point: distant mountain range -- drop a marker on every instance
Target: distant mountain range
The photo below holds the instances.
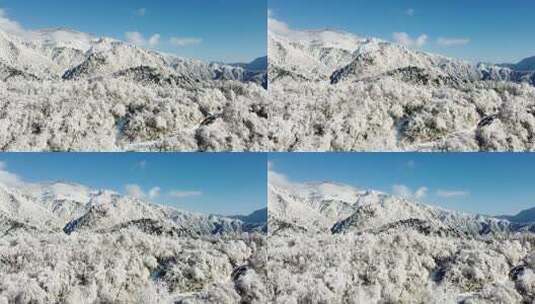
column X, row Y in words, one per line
column 525, row 65
column 341, row 56
column 72, row 208
column 523, row 217
column 521, row 72
column 67, row 54
column 256, row 70
column 335, row 208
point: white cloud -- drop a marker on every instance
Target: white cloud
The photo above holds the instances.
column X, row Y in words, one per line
column 185, row 41
column 142, row 164
column 420, row 193
column 141, row 12
column 277, row 27
column 7, row 178
column 444, row 41
column 10, row 26
column 134, row 190
column 154, row 192
column 410, row 12
column 406, row 192
column 154, row 40
column 276, row 178
column 138, row 39
column 182, row 194
column 135, row 38
column 452, row 193
column 405, row 39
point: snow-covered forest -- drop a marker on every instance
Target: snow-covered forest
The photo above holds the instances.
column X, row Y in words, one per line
column 332, row 243
column 336, row 91
column 62, row 90
column 66, row 243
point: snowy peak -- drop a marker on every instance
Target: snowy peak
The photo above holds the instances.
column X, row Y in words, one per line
column 307, row 58
column 77, row 208
column 324, row 38
column 63, row 38
column 315, row 206
column 21, row 207
column 301, row 207
column 106, row 58
column 17, row 54
column 338, row 57
column 378, row 58
column 108, row 209
column 70, row 55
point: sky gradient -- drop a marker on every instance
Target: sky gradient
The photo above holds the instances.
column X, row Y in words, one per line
column 483, row 183
column 214, row 183
column 477, row 30
column 211, row 30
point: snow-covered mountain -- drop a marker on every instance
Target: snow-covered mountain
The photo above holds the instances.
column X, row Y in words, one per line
column 523, row 217
column 339, row 91
column 66, row 90
column 341, row 208
column 67, row 54
column 524, row 65
column 256, row 220
column 105, row 247
column 340, row 56
column 71, row 207
column 332, row 243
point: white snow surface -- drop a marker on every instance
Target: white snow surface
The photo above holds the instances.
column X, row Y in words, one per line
column 378, row 248
column 66, row 243
column 340, row 92
column 70, row 91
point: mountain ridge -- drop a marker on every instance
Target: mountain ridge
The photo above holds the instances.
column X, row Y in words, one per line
column 363, row 210
column 72, row 208
column 376, row 95
column 56, row 52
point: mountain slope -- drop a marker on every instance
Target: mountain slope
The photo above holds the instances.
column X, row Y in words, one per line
column 346, row 93
column 391, row 249
column 124, row 250
column 523, row 217
column 105, row 247
column 53, row 53
column 336, row 208
column 70, row 91
column 73, row 207
column 524, row 65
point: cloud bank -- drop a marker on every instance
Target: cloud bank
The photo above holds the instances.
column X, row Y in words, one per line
column 406, row 40
column 444, row 41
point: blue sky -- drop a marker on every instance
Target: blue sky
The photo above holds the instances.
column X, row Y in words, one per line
column 215, row 183
column 476, row 30
column 214, row 30
column 483, row 183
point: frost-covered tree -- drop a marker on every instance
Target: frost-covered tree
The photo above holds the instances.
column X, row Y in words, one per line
column 331, row 243
column 66, row 243
column 68, row 91
column 334, row 91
